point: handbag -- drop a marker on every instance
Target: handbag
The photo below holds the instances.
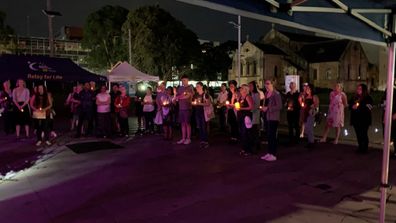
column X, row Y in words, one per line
column 209, row 111
column 158, row 118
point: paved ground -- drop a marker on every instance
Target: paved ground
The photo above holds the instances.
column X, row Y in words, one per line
column 151, row 180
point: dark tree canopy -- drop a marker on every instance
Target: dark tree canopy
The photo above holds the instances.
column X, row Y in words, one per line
column 5, row 30
column 159, row 41
column 103, row 35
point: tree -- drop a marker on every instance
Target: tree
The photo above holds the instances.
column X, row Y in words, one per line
column 159, row 41
column 215, row 61
column 103, row 35
column 5, row 32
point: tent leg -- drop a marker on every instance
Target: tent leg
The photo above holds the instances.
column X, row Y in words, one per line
column 387, row 132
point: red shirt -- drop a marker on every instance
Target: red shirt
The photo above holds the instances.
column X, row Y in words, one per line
column 124, row 101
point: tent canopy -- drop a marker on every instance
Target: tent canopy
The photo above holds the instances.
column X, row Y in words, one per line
column 124, row 72
column 363, row 20
column 43, row 68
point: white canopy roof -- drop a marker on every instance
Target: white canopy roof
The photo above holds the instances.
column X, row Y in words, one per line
column 123, row 71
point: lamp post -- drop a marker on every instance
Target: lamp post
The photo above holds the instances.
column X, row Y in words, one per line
column 50, row 14
column 238, row 26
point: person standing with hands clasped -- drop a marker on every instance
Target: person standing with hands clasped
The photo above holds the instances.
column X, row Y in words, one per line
column 184, row 95
column 272, row 110
column 200, row 99
column 121, row 104
column 41, row 105
column 361, row 106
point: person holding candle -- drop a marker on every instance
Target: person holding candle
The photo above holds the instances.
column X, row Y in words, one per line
column 361, row 106
column 149, row 110
column 233, row 96
column 221, row 106
column 21, row 97
column 103, row 100
column 302, row 105
column 310, row 109
column 272, row 110
column 167, row 100
column 255, row 115
column 7, row 108
column 122, row 103
column 293, row 113
column 200, row 100
column 41, row 105
column 87, row 101
column 244, row 106
column 335, row 115
column 183, row 96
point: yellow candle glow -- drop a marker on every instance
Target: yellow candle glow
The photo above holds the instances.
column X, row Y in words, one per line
column 357, row 104
column 21, row 109
column 227, row 103
column 302, row 104
column 237, row 105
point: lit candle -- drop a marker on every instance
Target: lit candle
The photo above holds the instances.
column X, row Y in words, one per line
column 21, row 109
column 237, row 105
column 302, row 104
column 227, row 102
column 5, row 98
column 92, row 88
column 261, row 107
column 194, row 102
column 357, row 104
column 185, row 93
column 40, row 109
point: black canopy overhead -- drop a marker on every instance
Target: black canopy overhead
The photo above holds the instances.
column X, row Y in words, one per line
column 42, row 68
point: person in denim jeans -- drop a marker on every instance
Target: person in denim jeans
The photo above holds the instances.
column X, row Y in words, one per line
column 311, row 105
column 199, row 101
column 272, row 108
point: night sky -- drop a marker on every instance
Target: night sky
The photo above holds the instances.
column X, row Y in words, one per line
column 207, row 24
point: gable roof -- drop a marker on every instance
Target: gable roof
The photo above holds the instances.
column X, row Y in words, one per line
column 269, row 49
column 328, row 51
column 305, row 38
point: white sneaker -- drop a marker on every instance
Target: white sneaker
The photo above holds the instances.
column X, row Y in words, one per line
column 271, row 158
column 38, row 143
column 187, row 141
column 181, row 141
column 265, row 156
column 48, row 143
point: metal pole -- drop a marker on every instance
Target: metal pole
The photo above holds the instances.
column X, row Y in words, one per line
column 239, row 49
column 50, row 30
column 130, row 45
column 388, row 122
column 387, row 133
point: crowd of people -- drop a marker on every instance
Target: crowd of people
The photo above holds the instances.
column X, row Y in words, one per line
column 245, row 112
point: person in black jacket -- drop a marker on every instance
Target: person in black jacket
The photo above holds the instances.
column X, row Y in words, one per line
column 360, row 106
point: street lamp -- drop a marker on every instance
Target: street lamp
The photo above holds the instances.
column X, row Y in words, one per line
column 50, row 14
column 238, row 26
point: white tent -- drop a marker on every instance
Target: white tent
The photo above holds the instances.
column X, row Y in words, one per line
column 124, row 72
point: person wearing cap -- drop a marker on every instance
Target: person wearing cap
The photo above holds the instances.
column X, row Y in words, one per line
column 272, row 110
column 244, row 107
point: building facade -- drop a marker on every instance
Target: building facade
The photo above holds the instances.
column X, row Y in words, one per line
column 260, row 62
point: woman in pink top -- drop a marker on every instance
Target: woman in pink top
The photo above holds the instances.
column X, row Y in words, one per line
column 21, row 98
